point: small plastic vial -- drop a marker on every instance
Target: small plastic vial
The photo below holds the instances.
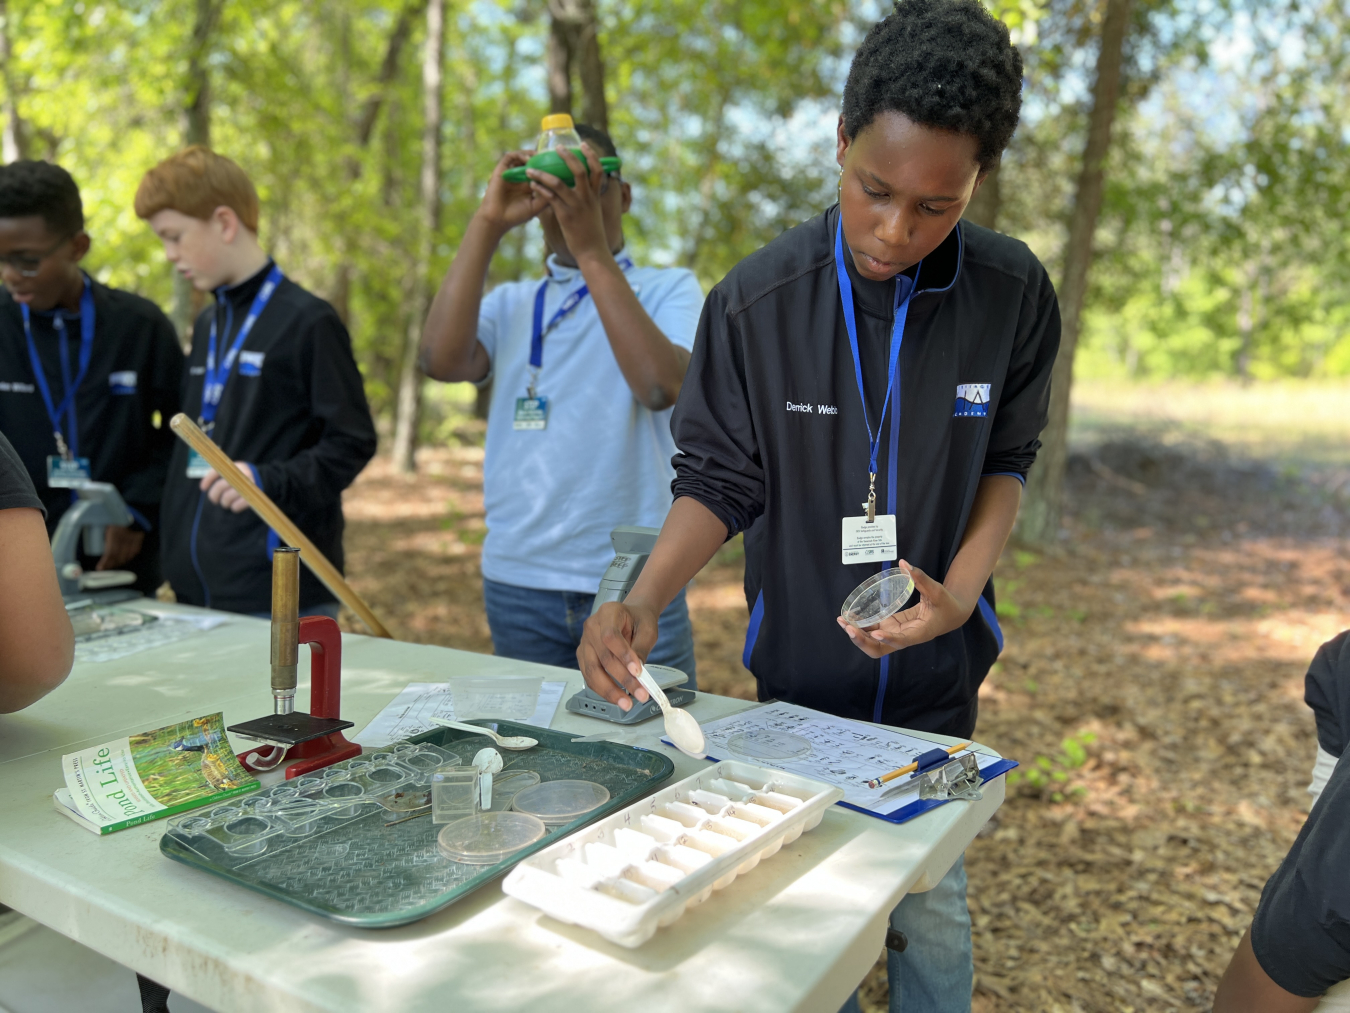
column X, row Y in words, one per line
column 557, row 131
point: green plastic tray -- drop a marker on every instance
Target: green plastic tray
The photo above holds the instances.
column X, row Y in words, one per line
column 551, row 162
column 363, row 873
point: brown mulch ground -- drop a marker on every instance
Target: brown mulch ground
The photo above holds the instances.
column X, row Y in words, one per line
column 1151, row 684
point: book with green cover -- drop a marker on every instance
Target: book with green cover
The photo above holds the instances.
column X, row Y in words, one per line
column 150, row 775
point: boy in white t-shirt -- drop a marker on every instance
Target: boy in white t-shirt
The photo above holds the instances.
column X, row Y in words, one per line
column 585, row 365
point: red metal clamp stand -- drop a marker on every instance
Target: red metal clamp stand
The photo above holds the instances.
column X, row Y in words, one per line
column 325, row 688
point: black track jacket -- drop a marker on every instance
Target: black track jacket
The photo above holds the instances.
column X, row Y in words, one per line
column 294, row 407
column 771, row 342
column 135, row 370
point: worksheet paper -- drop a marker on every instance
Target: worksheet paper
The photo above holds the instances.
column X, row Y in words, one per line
column 844, row 753
column 412, row 710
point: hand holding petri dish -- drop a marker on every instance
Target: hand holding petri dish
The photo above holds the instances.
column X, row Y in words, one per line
column 878, row 597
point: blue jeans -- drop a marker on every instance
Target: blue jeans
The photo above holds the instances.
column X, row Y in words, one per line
column 545, row 627
column 936, row 972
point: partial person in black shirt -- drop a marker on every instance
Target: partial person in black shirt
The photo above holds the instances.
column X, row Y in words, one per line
column 60, row 329
column 272, row 380
column 1296, row 955
column 37, row 644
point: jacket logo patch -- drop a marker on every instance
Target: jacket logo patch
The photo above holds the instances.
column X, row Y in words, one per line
column 196, row 371
column 250, row 363
column 16, row 387
column 972, row 400
column 812, row 409
column 122, row 382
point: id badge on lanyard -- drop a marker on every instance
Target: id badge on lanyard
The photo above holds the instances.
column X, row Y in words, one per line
column 217, row 373
column 532, row 409
column 65, row 469
column 871, row 537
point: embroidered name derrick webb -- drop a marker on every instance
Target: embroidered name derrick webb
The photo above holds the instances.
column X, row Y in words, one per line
column 813, row 409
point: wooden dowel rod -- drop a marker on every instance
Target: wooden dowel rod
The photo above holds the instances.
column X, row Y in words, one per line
column 189, row 432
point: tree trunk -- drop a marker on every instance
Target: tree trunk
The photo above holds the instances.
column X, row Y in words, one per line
column 410, row 377
column 984, row 206
column 14, row 143
column 187, row 301
column 1044, row 500
column 365, row 128
column 574, row 43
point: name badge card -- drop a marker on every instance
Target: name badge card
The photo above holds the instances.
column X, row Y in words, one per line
column 66, row 473
column 870, row 543
column 196, row 466
column 531, row 413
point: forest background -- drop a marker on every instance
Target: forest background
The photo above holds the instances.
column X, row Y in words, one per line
column 1213, row 234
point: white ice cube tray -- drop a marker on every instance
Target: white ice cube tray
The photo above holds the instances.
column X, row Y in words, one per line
column 638, row 869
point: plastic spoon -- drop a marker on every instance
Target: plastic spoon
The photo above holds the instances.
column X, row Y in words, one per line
column 488, row 761
column 681, row 726
column 513, row 742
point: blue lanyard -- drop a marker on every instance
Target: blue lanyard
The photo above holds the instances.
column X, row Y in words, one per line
column 904, row 292
column 218, row 374
column 537, row 333
column 68, row 447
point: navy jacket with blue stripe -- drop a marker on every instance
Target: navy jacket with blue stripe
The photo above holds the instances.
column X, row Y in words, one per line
column 772, row 440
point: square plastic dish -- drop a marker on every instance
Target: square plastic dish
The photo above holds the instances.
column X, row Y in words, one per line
column 327, row 844
column 640, row 868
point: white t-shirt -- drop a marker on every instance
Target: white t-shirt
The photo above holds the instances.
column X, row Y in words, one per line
column 552, row 496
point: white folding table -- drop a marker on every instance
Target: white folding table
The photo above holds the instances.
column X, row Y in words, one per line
column 797, row 933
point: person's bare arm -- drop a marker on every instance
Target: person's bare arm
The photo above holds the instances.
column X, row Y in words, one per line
column 946, row 607
column 1246, row 988
column 450, row 350
column 618, row 638
column 37, row 644
column 652, row 364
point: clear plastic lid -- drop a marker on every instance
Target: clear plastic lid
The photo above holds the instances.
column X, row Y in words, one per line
column 488, row 838
column 766, row 744
column 558, row 802
column 506, row 784
column 880, row 595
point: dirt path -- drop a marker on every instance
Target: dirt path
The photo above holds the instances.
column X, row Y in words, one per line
column 1151, row 687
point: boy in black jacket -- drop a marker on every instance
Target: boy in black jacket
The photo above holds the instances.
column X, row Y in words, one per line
column 61, row 331
column 868, row 390
column 271, row 379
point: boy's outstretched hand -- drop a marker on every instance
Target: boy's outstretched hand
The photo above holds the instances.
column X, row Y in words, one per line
column 506, row 205
column 938, row 612
column 614, row 643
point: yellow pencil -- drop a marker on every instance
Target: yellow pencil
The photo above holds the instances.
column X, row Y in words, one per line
column 909, row 768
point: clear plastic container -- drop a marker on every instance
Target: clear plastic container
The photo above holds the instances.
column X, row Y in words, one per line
column 502, row 696
column 878, row 597
column 766, row 744
column 557, row 131
column 488, row 838
column 454, row 793
column 560, row 802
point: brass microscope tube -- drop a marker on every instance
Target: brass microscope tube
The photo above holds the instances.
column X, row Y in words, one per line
column 285, row 627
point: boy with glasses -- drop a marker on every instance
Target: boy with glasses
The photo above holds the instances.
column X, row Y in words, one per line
column 89, row 375
column 585, row 366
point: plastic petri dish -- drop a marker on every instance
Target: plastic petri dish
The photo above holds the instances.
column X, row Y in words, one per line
column 507, row 784
column 488, row 838
column 559, row 802
column 766, row 744
column 880, row 595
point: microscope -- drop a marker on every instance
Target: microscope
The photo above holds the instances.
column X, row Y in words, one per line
column 97, row 505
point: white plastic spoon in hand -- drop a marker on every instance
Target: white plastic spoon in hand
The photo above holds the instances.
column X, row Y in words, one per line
column 681, row 726
column 514, row 742
column 488, row 761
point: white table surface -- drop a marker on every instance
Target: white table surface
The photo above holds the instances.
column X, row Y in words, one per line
column 797, row 933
